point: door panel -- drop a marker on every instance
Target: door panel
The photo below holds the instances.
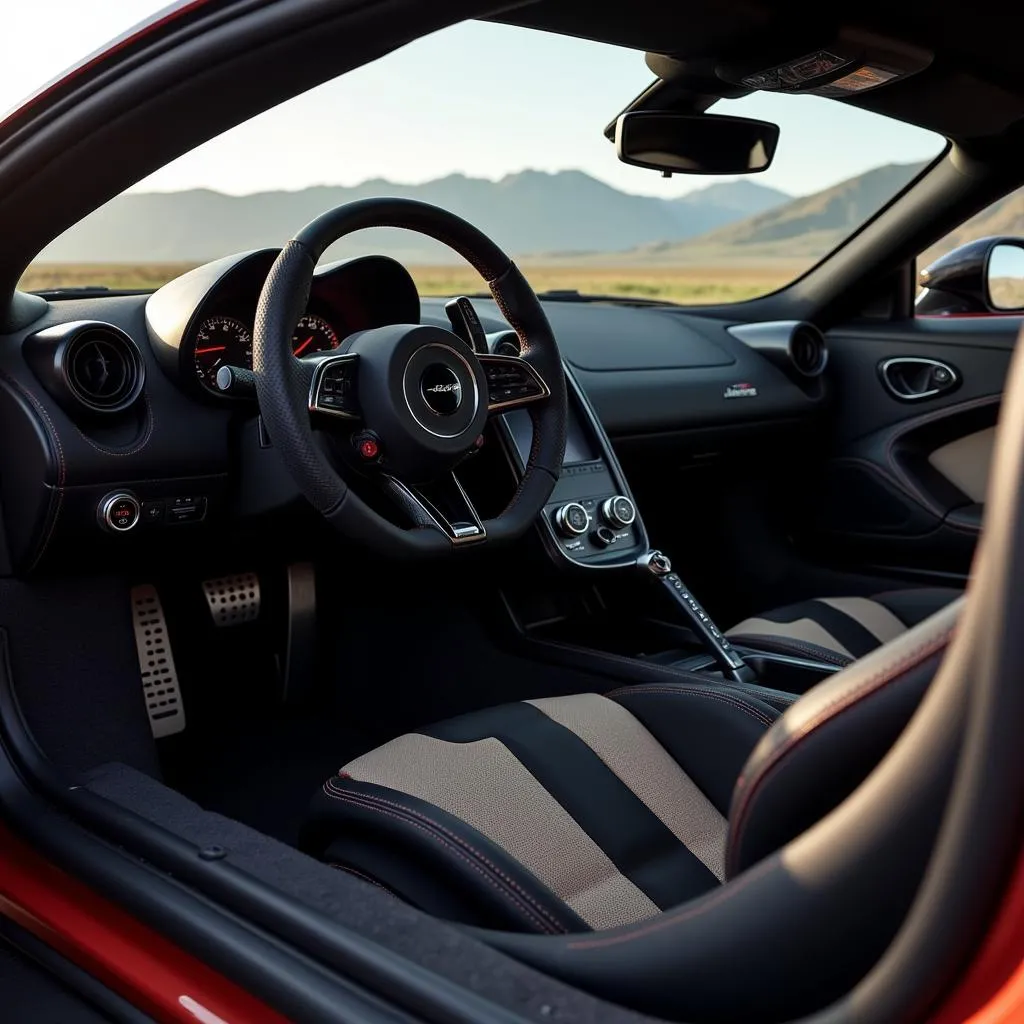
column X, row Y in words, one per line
column 903, row 483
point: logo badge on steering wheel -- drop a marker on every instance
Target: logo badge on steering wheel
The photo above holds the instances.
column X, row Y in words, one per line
column 441, row 389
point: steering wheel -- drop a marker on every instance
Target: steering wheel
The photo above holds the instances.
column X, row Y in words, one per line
column 419, row 396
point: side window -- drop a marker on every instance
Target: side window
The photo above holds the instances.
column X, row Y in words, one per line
column 978, row 268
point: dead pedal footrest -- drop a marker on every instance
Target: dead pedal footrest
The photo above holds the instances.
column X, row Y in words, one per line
column 156, row 663
column 233, row 600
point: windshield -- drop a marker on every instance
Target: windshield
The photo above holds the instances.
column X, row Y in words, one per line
column 528, row 163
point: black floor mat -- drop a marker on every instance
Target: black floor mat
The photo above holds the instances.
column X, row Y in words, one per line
column 263, row 770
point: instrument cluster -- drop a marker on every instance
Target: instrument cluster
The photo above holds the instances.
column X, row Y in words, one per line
column 203, row 321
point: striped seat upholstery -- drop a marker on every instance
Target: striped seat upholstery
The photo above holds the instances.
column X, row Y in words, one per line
column 615, row 805
column 594, row 812
column 841, row 629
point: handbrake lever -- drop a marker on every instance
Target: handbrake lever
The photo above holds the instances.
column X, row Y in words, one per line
column 657, row 567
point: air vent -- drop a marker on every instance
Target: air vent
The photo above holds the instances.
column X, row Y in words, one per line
column 103, row 368
column 88, row 367
column 795, row 346
column 807, row 350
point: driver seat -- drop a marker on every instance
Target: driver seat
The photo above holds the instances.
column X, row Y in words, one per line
column 571, row 814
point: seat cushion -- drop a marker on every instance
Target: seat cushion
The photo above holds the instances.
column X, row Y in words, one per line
column 553, row 815
column 841, row 629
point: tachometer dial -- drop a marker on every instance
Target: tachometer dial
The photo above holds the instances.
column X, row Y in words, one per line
column 221, row 341
column 313, row 334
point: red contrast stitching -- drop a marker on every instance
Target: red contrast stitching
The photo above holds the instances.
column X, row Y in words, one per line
column 546, row 920
column 671, row 918
column 775, row 760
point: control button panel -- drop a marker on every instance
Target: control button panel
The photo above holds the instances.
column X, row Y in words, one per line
column 119, row 512
column 572, row 520
column 584, row 533
column 510, row 382
column 189, row 508
column 618, row 511
column 334, row 388
column 122, row 511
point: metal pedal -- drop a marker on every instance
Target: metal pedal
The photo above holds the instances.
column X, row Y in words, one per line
column 233, row 600
column 156, row 663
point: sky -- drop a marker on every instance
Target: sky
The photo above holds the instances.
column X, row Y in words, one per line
column 427, row 110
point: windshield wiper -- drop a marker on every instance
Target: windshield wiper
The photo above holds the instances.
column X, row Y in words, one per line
column 86, row 290
column 573, row 295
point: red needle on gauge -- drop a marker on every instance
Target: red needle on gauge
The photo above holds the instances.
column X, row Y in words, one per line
column 212, row 348
column 302, row 348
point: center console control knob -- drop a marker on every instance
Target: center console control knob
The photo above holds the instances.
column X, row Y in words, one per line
column 572, row 520
column 119, row 512
column 618, row 512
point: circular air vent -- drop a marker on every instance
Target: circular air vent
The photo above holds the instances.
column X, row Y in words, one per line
column 103, row 369
column 807, row 350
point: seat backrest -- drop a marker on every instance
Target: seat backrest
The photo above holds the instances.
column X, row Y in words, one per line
column 830, row 740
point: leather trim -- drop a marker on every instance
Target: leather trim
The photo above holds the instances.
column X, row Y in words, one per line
column 460, row 846
column 967, row 461
column 485, row 784
column 787, row 645
column 825, row 702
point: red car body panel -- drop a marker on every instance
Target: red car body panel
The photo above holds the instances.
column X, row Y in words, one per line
column 131, row 959
column 992, row 990
column 115, row 47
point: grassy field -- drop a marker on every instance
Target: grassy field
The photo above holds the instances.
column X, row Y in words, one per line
column 683, row 285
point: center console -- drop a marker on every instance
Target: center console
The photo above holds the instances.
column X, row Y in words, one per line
column 641, row 621
column 591, row 519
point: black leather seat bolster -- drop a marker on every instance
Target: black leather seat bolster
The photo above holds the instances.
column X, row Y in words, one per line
column 835, row 737
column 710, row 729
column 915, row 604
column 430, row 859
column 790, row 647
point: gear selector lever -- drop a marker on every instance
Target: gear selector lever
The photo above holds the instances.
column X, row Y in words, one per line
column 657, row 566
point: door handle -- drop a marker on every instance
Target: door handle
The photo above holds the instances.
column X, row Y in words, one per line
column 911, row 378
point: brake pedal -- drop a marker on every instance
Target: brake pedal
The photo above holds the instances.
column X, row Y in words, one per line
column 233, row 600
column 156, row 663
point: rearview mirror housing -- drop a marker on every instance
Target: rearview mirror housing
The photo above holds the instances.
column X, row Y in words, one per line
column 676, row 143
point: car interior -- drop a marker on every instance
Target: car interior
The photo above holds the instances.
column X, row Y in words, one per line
column 599, row 660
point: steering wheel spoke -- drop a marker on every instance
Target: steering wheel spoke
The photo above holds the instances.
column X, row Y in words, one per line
column 441, row 505
column 332, row 386
column 512, row 382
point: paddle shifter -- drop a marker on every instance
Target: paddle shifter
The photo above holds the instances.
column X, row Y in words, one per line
column 657, row 566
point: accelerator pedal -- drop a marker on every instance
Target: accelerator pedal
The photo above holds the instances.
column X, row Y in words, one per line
column 156, row 663
column 233, row 600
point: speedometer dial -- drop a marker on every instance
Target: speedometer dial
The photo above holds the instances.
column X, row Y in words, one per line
column 221, row 341
column 313, row 334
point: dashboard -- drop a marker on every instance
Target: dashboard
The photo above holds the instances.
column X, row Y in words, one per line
column 112, row 395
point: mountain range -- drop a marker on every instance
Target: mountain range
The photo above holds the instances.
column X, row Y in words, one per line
column 530, row 212
column 565, row 217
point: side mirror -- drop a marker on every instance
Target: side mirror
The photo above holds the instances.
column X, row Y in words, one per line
column 985, row 275
column 1004, row 277
column 695, row 143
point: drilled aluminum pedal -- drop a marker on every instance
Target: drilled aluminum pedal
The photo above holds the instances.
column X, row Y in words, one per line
column 156, row 663
column 233, row 600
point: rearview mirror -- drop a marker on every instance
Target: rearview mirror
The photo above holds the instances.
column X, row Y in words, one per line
column 695, row 143
column 1004, row 277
